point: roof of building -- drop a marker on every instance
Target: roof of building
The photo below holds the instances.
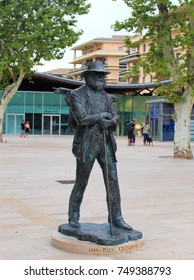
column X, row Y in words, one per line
column 114, row 38
column 46, row 82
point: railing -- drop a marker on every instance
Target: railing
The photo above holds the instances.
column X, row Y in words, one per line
column 126, row 58
column 123, row 73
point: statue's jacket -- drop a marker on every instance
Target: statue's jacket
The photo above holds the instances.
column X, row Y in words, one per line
column 86, row 119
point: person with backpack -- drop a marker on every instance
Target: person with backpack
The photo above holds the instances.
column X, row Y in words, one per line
column 130, row 126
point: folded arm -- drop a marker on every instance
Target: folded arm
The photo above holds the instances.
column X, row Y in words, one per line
column 105, row 119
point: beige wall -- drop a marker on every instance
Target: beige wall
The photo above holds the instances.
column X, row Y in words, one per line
column 107, row 51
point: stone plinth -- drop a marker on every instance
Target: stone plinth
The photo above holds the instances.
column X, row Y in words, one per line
column 96, row 239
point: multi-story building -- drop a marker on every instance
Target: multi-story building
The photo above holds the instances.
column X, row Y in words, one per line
column 107, row 50
column 130, row 60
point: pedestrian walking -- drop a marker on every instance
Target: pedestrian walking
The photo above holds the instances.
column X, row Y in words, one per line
column 27, row 128
column 22, row 129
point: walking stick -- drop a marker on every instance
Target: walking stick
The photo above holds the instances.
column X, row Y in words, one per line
column 107, row 181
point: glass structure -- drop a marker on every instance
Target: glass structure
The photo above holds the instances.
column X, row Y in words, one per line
column 160, row 115
column 129, row 107
column 46, row 112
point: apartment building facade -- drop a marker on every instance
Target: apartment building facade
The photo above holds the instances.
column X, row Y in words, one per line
column 133, row 54
column 107, row 50
column 130, row 60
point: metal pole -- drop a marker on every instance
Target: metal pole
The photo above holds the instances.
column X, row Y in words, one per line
column 107, row 181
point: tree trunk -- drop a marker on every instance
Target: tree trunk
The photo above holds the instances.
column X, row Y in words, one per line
column 182, row 148
column 2, row 110
column 8, row 93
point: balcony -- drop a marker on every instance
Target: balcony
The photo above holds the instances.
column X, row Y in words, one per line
column 130, row 57
column 123, row 73
column 95, row 54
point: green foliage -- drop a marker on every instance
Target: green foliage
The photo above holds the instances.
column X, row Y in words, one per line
column 32, row 30
column 158, row 20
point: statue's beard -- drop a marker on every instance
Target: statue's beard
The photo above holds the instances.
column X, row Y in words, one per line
column 100, row 85
column 96, row 84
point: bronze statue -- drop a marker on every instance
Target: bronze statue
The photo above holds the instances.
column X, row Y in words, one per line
column 92, row 110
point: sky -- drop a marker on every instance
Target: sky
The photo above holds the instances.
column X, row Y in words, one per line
column 97, row 23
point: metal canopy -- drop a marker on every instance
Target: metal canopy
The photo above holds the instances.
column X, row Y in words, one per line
column 46, row 82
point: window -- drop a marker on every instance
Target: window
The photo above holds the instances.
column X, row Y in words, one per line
column 120, row 49
column 122, row 65
column 38, row 103
column 133, row 49
column 29, row 102
column 51, row 103
column 144, row 48
column 168, row 108
column 37, row 123
column 16, row 104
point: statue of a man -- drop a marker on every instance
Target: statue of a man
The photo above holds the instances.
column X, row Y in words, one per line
column 93, row 111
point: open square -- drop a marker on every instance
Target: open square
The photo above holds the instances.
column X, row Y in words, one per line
column 157, row 196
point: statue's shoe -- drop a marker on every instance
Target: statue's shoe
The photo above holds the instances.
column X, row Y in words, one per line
column 122, row 224
column 74, row 224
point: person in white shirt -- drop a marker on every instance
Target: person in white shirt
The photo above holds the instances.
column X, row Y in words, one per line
column 145, row 131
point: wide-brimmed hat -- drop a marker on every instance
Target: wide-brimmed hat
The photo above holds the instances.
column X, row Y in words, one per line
column 95, row 66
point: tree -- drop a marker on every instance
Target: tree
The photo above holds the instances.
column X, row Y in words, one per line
column 169, row 27
column 32, row 31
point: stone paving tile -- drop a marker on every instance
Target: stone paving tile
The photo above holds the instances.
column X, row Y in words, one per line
column 157, row 198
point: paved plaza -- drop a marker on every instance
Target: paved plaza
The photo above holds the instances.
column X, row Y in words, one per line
column 37, row 176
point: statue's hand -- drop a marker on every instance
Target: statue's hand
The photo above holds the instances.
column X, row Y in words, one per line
column 104, row 123
column 105, row 115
